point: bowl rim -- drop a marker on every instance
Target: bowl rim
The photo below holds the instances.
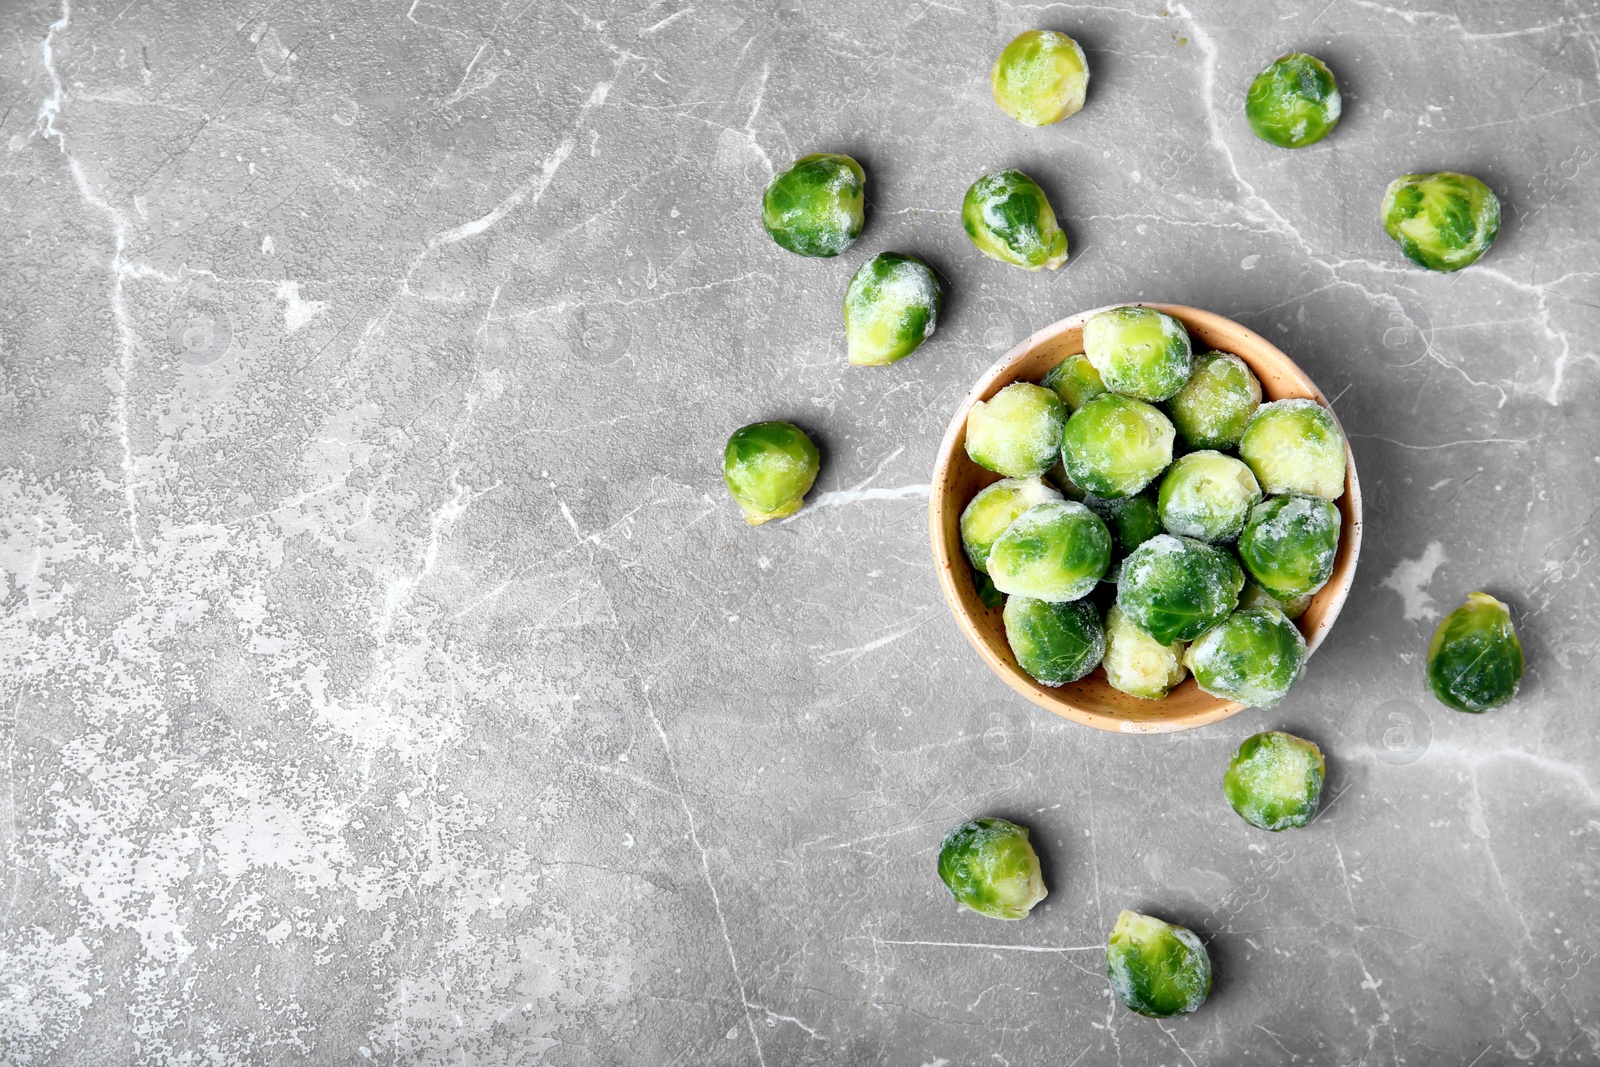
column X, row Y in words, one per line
column 953, row 567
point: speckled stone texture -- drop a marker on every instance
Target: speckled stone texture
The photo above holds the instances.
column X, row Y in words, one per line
column 389, row 678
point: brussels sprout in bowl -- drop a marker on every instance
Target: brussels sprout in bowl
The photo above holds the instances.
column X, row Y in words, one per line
column 957, row 479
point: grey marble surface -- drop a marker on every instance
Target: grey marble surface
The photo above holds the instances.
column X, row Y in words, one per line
column 388, row 677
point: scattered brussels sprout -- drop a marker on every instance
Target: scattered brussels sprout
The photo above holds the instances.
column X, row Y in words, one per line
column 1442, row 221
column 1157, row 969
column 1475, row 659
column 818, row 206
column 1138, row 664
column 989, row 866
column 1207, row 495
column 1115, row 445
column 1175, row 589
column 1138, row 351
column 1054, row 551
column 1274, row 781
column 1211, row 409
column 1075, row 381
column 1294, row 102
column 996, row 507
column 1040, row 78
column 1289, row 544
column 769, row 468
column 1010, row 219
column 1254, row 656
column 1295, row 446
column 1054, row 643
column 890, row 308
column 1017, row 432
column 1254, row 596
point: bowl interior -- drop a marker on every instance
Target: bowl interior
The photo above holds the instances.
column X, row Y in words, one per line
column 956, row 479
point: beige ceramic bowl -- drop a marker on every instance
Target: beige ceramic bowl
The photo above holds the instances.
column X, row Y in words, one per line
column 956, row 478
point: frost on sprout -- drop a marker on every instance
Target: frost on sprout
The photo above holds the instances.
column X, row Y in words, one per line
column 1274, row 780
column 1156, row 968
column 1475, row 659
column 1017, row 432
column 890, row 308
column 1207, row 495
column 1054, row 643
column 1009, row 218
column 1139, row 352
column 1055, row 551
column 1114, row 445
column 1289, row 545
column 818, row 206
column 1138, row 664
column 1040, row 78
column 1175, row 589
column 994, row 508
column 1255, row 656
column 1212, row 408
column 1295, row 446
column 989, row 866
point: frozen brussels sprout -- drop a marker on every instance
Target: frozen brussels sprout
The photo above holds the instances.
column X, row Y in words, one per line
column 1137, row 663
column 1017, row 432
column 1040, row 78
column 1294, row 102
column 1442, row 221
column 1157, row 969
column 1010, row 219
column 1075, row 381
column 769, row 468
column 989, row 866
column 1054, row 643
column 994, row 508
column 1274, row 781
column 1177, row 588
column 1115, row 445
column 1254, row 596
column 1134, row 520
column 1475, row 659
column 1253, row 656
column 1294, row 446
column 1289, row 544
column 988, row 595
column 1211, row 409
column 1207, row 495
column 890, row 307
column 1054, row 551
column 1139, row 352
column 818, row 206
